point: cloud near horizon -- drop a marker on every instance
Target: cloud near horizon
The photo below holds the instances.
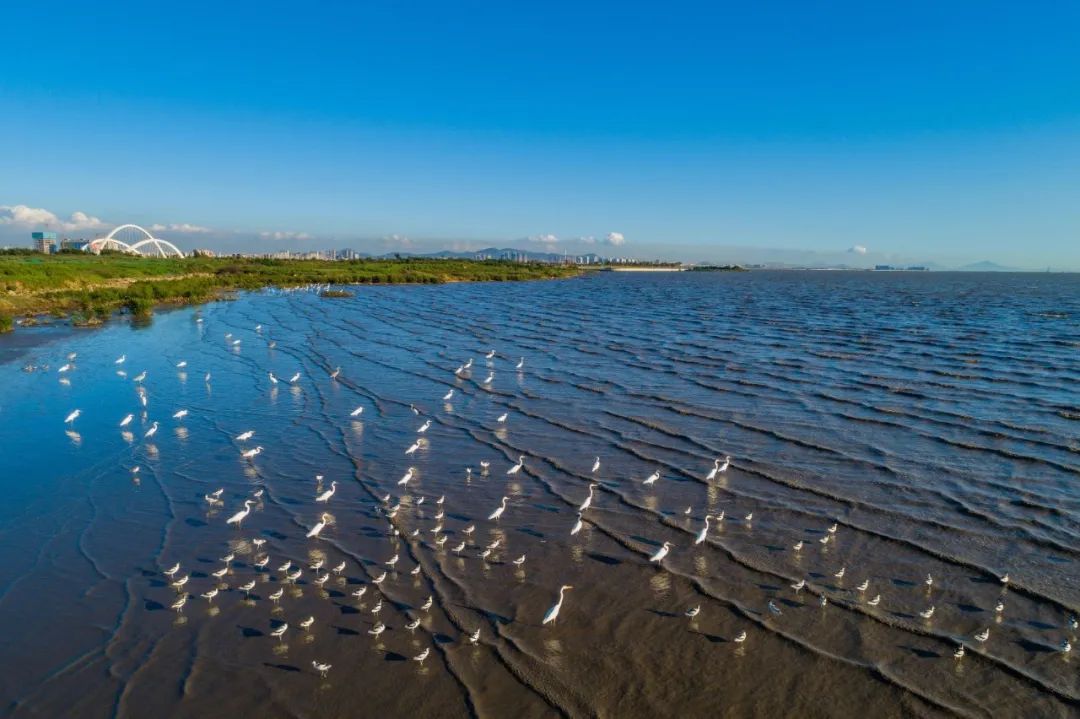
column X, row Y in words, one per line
column 857, row 249
column 38, row 217
column 616, row 239
column 282, row 236
column 183, row 227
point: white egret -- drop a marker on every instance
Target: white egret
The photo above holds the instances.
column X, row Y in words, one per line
column 245, row 436
column 181, row 364
column 704, row 531
column 520, row 364
column 662, row 552
column 152, row 431
column 295, row 378
column 516, row 468
column 356, row 412
column 251, row 453
column 139, row 377
column 180, row 414
column 325, row 496
column 553, row 613
column 577, row 525
column 241, row 515
column 489, row 378
column 273, row 379
column 321, row 668
column 314, row 531
column 407, row 477
column 413, row 447
column 448, row 395
column 595, row 465
column 121, row 359
column 127, row 420
column 588, row 500
column 499, row 511
column 651, row 479
column 73, row 416
column 424, row 427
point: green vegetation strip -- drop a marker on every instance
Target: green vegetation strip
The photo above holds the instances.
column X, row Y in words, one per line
column 88, row 288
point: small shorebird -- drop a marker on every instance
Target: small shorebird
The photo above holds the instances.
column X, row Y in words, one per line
column 693, row 611
column 322, row 669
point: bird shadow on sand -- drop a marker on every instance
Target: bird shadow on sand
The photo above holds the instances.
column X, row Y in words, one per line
column 346, row 608
column 347, row 632
column 902, row 583
column 603, row 558
column 1040, row 625
column 1031, row 646
column 921, row 653
column 152, row 606
column 645, row 540
column 970, row 608
column 791, row 603
column 251, row 632
column 394, row 657
column 532, row 532
column 282, row 667
column 713, row 638
column 662, row 613
column 192, row 522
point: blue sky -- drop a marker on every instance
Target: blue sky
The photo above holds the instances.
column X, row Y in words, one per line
column 786, row 131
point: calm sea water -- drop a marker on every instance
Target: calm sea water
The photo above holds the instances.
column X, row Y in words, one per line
column 932, row 417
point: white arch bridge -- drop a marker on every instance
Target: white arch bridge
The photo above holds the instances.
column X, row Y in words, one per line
column 135, row 240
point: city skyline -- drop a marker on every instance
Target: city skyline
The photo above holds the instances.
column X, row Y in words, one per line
column 780, row 133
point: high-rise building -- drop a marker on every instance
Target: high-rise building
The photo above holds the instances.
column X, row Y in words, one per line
column 44, row 241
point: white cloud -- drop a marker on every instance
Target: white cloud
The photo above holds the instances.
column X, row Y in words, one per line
column 857, row 249
column 615, row 238
column 183, row 227
column 548, row 239
column 587, row 239
column 396, row 241
column 280, row 236
column 37, row 217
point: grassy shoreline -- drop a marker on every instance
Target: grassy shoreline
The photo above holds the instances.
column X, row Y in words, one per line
column 87, row 289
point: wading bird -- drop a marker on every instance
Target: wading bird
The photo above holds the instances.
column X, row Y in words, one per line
column 553, row 613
